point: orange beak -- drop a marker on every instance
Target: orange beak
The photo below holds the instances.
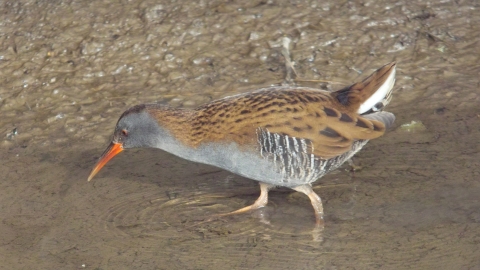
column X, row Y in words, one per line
column 112, row 150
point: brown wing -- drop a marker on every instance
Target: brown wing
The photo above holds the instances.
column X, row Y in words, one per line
column 331, row 131
column 328, row 120
column 300, row 113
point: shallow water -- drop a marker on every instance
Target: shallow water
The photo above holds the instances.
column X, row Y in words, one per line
column 68, row 69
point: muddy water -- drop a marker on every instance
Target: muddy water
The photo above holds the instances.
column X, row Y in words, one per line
column 69, row 68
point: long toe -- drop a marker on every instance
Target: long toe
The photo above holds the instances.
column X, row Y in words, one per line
column 259, row 203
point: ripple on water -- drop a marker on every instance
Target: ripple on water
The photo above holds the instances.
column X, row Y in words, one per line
column 150, row 214
column 166, row 224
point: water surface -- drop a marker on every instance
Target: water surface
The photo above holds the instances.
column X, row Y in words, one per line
column 70, row 68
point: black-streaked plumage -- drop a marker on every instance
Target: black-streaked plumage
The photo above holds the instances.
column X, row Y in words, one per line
column 279, row 136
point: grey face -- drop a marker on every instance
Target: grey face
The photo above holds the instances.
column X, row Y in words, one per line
column 137, row 129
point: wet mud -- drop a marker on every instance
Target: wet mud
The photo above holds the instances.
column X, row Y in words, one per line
column 68, row 69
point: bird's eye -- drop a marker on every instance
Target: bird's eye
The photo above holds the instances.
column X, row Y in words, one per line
column 124, row 132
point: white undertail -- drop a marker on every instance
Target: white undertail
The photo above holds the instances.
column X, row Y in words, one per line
column 383, row 94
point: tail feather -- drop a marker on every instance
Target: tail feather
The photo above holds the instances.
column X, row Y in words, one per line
column 373, row 93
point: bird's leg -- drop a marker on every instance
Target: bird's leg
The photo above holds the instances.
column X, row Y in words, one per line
column 259, row 203
column 315, row 199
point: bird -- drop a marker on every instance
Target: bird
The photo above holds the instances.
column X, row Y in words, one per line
column 280, row 136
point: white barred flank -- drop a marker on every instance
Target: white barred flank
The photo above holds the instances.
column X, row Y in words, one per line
column 293, row 159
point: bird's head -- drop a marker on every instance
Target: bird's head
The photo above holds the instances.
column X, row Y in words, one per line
column 135, row 128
